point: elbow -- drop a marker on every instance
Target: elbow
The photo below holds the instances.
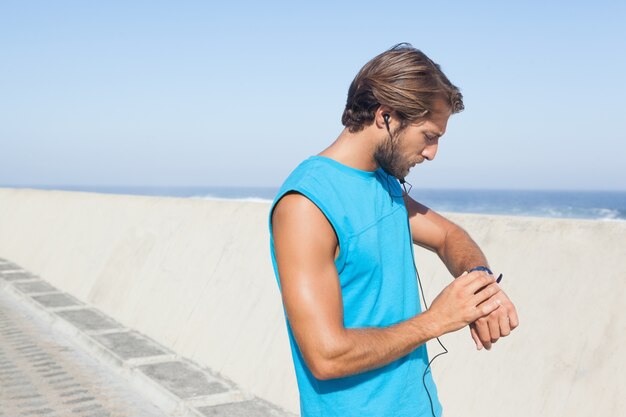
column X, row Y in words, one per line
column 325, row 358
column 322, row 370
column 324, row 366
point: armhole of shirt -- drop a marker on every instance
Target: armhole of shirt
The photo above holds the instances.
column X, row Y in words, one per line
column 341, row 242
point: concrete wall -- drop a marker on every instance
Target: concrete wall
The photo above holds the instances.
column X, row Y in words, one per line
column 195, row 275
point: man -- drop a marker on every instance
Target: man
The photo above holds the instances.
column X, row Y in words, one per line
column 341, row 242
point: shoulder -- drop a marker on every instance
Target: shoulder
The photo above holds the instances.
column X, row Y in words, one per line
column 301, row 231
column 309, row 188
column 298, row 213
column 303, row 176
column 310, row 167
column 294, row 204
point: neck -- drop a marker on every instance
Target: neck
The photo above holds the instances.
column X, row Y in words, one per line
column 355, row 150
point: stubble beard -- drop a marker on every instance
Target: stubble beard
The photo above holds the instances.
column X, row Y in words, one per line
column 388, row 158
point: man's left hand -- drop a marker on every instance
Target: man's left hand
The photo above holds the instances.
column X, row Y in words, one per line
column 487, row 330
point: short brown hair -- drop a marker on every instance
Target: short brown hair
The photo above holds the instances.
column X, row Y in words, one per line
column 403, row 78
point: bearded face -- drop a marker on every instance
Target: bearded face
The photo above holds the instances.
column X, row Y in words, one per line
column 388, row 156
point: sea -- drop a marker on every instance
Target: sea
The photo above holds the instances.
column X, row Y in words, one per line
column 599, row 205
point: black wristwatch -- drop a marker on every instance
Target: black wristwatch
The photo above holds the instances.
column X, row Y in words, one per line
column 487, row 270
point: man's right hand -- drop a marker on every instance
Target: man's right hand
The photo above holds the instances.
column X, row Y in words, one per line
column 459, row 304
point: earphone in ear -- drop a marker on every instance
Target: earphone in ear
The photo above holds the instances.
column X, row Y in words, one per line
column 386, row 117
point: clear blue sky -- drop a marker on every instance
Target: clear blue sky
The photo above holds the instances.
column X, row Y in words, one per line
column 238, row 93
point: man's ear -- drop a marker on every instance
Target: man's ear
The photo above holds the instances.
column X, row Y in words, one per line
column 379, row 116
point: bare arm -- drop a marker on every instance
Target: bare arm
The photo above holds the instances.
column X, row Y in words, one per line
column 459, row 253
column 456, row 249
column 305, row 248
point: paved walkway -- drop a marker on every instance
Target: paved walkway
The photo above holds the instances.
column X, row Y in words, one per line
column 60, row 357
column 44, row 374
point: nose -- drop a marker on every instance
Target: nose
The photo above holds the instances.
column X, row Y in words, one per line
column 430, row 151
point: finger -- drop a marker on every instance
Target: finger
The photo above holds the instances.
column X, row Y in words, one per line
column 513, row 319
column 488, row 292
column 482, row 330
column 470, row 276
column 479, row 345
column 479, row 281
column 487, row 308
column 505, row 327
column 493, row 322
column 464, row 277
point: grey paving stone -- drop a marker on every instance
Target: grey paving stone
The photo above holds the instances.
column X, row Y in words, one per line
column 86, row 408
column 130, row 344
column 25, row 396
column 32, row 403
column 23, row 345
column 79, row 400
column 27, row 348
column 17, row 276
column 65, row 386
column 52, row 374
column 63, row 379
column 55, row 300
column 11, row 392
column 8, row 266
column 39, row 364
column 87, row 319
column 41, row 411
column 36, row 355
column 74, row 392
column 13, row 382
column 253, row 408
column 182, row 379
column 8, row 373
column 101, row 413
column 34, row 286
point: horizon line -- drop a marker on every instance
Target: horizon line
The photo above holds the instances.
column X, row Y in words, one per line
column 52, row 186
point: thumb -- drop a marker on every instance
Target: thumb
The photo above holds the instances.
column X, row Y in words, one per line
column 479, row 344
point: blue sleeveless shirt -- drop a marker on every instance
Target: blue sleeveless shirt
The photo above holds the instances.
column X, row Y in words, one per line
column 378, row 288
